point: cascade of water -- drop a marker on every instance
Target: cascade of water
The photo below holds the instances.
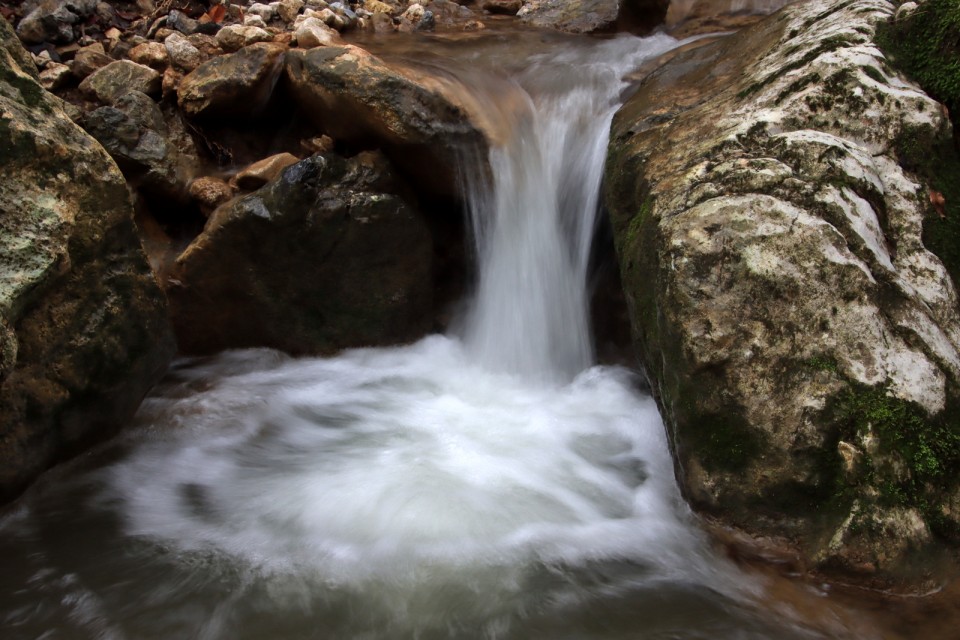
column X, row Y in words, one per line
column 533, row 222
column 436, row 490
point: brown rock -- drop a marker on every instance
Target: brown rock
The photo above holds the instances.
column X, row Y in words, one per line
column 150, row 54
column 234, row 37
column 209, row 193
column 170, row 83
column 506, row 7
column 263, row 171
column 119, row 77
column 89, row 59
column 236, row 85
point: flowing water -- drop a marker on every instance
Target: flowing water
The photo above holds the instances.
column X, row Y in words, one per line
column 491, row 483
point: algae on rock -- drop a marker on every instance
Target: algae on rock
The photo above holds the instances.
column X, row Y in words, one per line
column 771, row 248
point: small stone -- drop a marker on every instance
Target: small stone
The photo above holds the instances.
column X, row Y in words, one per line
column 319, row 144
column 474, row 25
column 289, row 9
column 264, row 11
column 331, row 19
column 113, row 33
column 375, row 6
column 263, row 171
column 164, row 33
column 314, row 33
column 181, row 22
column 55, row 75
column 414, row 13
column 253, row 20
column 317, row 4
column 183, row 55
column 209, row 193
column 119, row 77
column 150, row 54
column 205, row 44
column 235, row 37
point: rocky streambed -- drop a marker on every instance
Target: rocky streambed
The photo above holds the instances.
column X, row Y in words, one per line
column 290, row 171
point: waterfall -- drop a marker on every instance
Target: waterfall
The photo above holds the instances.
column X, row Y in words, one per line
column 534, row 220
column 494, row 486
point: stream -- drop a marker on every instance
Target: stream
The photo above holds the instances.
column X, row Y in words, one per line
column 489, row 483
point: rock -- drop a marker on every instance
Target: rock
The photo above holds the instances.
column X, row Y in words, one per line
column 150, row 54
column 119, row 77
column 205, row 44
column 235, row 85
column 252, row 20
column 591, row 16
column 170, row 84
column 446, row 15
column 53, row 20
column 55, row 76
column 209, row 193
column 376, row 6
column 134, row 133
column 264, row 11
column 263, row 171
column 179, row 21
column 319, row 144
column 506, row 7
column 183, row 55
column 781, row 295
column 312, row 32
column 83, row 329
column 234, row 37
column 354, row 96
column 288, row 10
column 332, row 19
column 361, row 256
column 88, row 59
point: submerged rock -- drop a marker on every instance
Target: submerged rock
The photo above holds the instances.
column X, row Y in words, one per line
column 83, row 329
column 319, row 259
column 781, row 295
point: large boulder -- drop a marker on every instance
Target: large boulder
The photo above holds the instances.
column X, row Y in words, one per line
column 418, row 120
column 321, row 258
column 801, row 339
column 83, row 329
column 593, row 16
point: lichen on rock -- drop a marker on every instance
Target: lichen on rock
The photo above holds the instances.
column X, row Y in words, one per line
column 772, row 251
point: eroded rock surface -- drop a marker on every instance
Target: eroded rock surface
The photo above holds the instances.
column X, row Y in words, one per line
column 802, row 341
column 83, row 331
column 590, row 16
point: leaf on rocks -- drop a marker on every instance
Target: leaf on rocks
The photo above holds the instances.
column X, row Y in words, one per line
column 216, row 13
column 939, row 203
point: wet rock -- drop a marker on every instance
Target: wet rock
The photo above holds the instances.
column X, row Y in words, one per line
column 234, row 37
column 781, row 295
column 150, row 54
column 312, row 32
column 209, row 193
column 83, row 330
column 361, row 255
column 419, row 120
column 183, row 55
column 89, row 59
column 263, row 171
column 134, row 133
column 445, row 14
column 590, row 16
column 376, row 6
column 235, row 85
column 505, row 7
column 119, row 77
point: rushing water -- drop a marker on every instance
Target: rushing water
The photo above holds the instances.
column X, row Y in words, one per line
column 488, row 484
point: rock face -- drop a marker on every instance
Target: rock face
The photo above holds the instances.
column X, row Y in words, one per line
column 321, row 258
column 802, row 341
column 83, row 330
column 355, row 97
column 591, row 16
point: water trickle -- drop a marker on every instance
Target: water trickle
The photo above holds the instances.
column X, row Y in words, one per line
column 494, row 486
